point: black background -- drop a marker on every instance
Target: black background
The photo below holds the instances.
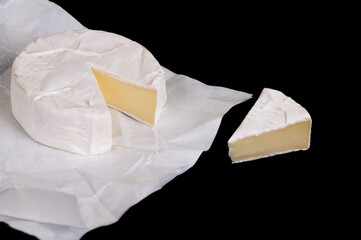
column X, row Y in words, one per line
column 245, row 48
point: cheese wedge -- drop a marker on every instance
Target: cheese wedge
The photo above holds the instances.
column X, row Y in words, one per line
column 62, row 85
column 275, row 124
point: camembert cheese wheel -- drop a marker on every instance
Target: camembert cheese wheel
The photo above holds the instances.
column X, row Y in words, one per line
column 62, row 85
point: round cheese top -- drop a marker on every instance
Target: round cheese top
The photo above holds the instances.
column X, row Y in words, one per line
column 55, row 95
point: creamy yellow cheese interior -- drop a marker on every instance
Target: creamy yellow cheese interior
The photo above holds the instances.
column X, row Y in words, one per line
column 292, row 137
column 136, row 101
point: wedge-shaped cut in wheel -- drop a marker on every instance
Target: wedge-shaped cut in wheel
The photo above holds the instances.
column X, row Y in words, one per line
column 276, row 124
column 136, row 101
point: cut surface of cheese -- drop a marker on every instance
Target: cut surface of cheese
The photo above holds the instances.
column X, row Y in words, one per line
column 62, row 85
column 275, row 124
column 136, row 101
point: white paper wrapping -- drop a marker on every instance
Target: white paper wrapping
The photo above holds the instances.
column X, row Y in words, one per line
column 53, row 194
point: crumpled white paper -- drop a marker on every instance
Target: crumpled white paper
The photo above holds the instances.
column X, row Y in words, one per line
column 53, row 194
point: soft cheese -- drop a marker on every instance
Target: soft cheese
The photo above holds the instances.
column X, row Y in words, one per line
column 62, row 85
column 275, row 124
